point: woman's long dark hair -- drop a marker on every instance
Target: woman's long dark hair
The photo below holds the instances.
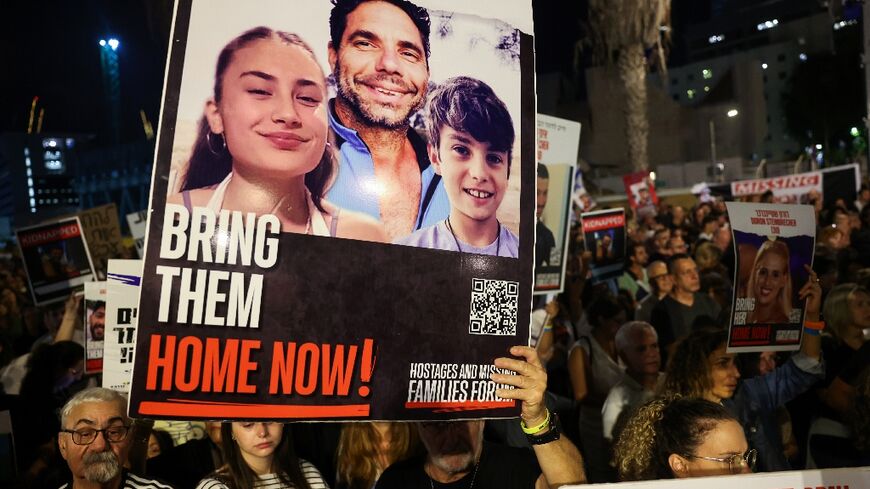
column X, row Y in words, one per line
column 238, row 475
column 210, row 161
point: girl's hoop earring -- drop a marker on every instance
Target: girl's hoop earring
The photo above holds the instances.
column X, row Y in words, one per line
column 208, row 143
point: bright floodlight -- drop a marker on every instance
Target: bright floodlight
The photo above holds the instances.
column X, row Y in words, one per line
column 819, row 147
column 103, row 42
column 854, row 132
column 763, row 66
column 652, row 175
column 113, row 43
column 733, row 113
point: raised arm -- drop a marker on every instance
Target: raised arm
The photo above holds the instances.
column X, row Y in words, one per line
column 559, row 459
column 70, row 318
column 812, row 292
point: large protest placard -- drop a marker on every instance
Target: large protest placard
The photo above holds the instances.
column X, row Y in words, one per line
column 386, row 296
column 558, row 143
column 849, row 478
column 138, row 224
column 122, row 299
column 558, row 140
column 604, row 238
column 773, row 244
column 56, row 259
column 95, row 326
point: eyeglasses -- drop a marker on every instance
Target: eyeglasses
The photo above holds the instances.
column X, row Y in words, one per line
column 735, row 462
column 86, row 436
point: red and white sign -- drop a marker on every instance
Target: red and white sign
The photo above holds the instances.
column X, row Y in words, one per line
column 787, row 188
column 604, row 222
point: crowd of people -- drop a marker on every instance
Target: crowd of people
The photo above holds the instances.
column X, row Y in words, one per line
column 644, row 356
column 630, row 378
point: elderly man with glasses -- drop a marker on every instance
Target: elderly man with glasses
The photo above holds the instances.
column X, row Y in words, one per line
column 94, row 440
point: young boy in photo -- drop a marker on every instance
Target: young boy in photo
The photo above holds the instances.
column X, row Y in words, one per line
column 471, row 135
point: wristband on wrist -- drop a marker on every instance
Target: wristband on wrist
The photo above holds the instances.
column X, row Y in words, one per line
column 548, row 327
column 814, row 325
column 811, row 331
column 534, row 430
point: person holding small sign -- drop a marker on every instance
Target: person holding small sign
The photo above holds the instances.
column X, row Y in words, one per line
column 701, row 367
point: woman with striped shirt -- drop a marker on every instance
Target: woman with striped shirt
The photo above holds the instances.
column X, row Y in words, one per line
column 260, row 455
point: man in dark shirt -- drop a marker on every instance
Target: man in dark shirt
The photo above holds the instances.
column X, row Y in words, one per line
column 676, row 315
column 456, row 455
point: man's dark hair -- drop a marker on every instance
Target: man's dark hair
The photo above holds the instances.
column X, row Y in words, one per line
column 342, row 8
column 543, row 172
column 708, row 219
column 469, row 105
column 94, row 305
column 672, row 262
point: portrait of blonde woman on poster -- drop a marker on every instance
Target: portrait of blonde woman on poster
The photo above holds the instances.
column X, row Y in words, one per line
column 263, row 141
column 769, row 287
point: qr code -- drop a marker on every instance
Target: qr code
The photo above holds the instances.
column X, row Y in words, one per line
column 493, row 307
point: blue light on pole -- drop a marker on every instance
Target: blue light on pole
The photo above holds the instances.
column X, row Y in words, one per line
column 111, row 82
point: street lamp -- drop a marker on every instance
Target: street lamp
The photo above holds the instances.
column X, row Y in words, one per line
column 718, row 169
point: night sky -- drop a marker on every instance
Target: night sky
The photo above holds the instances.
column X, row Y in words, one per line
column 50, row 49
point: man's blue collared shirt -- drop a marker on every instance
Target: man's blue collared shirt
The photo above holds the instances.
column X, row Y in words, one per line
column 356, row 187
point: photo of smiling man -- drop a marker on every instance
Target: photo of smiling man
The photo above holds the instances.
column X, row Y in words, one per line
column 470, row 139
column 379, row 55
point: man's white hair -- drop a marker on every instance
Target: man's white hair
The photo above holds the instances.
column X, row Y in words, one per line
column 93, row 394
column 623, row 336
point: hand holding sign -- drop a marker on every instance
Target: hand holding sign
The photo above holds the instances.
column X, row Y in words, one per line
column 812, row 292
column 530, row 383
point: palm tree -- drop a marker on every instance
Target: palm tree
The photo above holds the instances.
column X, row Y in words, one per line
column 623, row 31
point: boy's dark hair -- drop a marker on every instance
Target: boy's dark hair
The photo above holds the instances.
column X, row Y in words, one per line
column 543, row 172
column 342, row 8
column 469, row 105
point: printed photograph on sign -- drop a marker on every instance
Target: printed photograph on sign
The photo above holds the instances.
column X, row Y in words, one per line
column 604, row 238
column 641, row 192
column 278, row 135
column 95, row 325
column 462, row 131
column 773, row 245
column 56, row 259
column 552, row 230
